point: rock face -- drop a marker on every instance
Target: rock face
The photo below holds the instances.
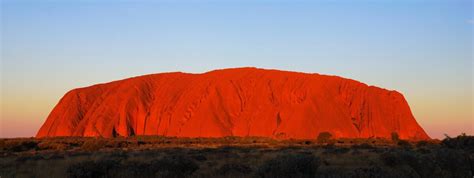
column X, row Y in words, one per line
column 233, row 102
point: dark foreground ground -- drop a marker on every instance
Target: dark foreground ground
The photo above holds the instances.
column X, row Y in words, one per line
column 235, row 157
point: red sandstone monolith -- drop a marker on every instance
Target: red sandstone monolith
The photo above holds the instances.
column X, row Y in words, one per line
column 233, row 102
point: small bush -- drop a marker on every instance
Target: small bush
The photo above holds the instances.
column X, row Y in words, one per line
column 93, row 144
column 2, row 144
column 462, row 141
column 324, row 137
column 421, row 144
column 293, row 165
column 364, row 146
column 48, row 145
column 404, row 144
column 395, row 137
column 19, row 145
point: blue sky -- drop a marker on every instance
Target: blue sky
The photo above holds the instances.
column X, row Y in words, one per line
column 422, row 48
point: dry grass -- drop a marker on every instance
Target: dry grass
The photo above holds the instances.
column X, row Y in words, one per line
column 153, row 156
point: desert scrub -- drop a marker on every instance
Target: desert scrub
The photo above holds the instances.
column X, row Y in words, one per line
column 174, row 166
column 404, row 144
column 364, row 146
column 453, row 161
column 462, row 141
column 90, row 169
column 390, row 159
column 335, row 150
column 324, row 137
column 93, row 144
column 19, row 145
column 167, row 167
column 51, row 145
column 394, row 136
column 444, row 162
column 291, row 165
column 234, row 170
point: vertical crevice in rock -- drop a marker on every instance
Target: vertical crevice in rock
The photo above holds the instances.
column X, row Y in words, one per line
column 114, row 133
column 278, row 122
column 131, row 131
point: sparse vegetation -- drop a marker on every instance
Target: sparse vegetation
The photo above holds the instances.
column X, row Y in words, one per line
column 152, row 156
column 234, row 170
column 47, row 145
column 404, row 144
column 293, row 165
column 94, row 144
column 19, row 145
column 395, row 137
column 462, row 141
column 324, row 137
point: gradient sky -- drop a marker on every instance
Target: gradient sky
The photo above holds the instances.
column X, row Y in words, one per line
column 423, row 49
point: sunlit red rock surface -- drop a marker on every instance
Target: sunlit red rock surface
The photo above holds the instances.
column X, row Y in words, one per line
column 233, row 102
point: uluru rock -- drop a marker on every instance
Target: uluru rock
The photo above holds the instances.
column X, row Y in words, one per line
column 233, row 102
